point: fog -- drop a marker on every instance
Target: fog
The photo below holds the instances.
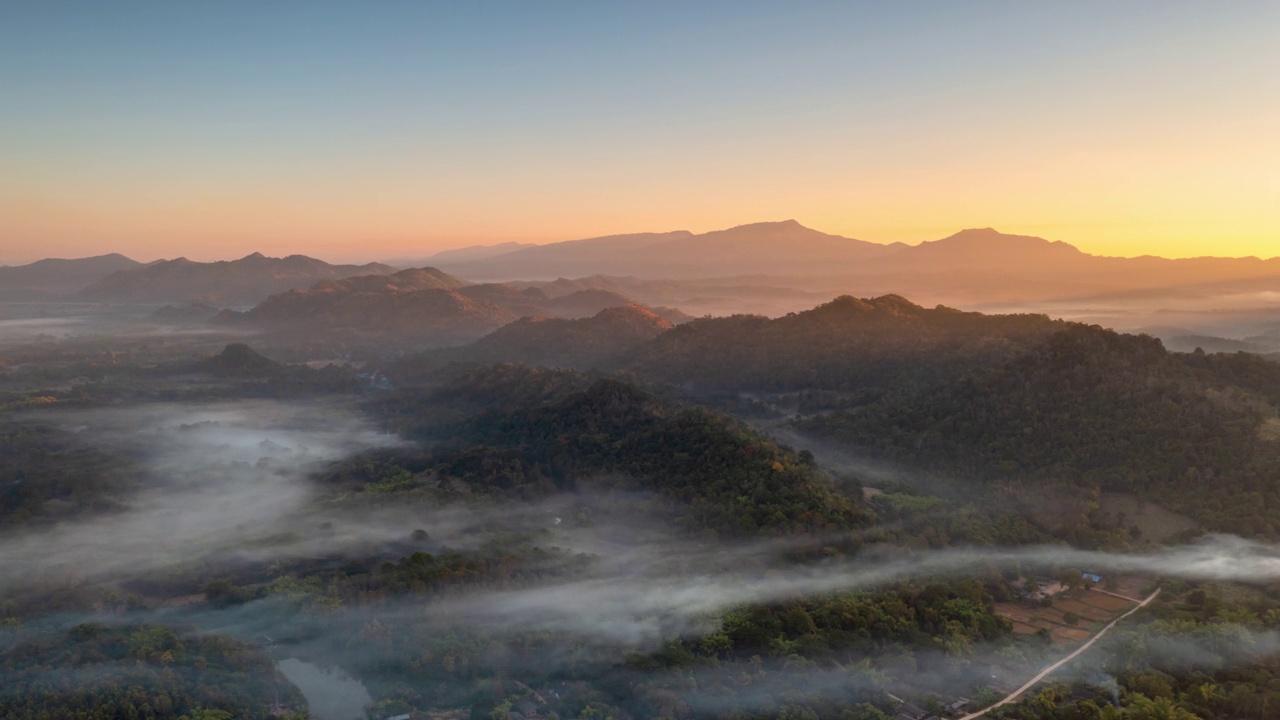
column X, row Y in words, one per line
column 236, row 482
column 25, row 331
column 231, row 480
column 213, row 476
column 641, row 595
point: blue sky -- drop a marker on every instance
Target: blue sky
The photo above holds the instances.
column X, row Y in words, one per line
column 344, row 128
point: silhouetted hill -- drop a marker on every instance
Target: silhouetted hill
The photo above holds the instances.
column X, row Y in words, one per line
column 985, row 250
column 230, row 282
column 848, row 344
column 474, row 252
column 433, row 316
column 986, row 266
column 421, row 307
column 772, row 247
column 55, row 277
column 238, row 359
column 581, row 343
column 585, row 303
column 425, row 278
column 534, row 301
column 520, row 302
column 780, row 267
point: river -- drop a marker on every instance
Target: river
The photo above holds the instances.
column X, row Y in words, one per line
column 331, row 694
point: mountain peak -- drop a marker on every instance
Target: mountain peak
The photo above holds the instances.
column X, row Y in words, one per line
column 772, row 225
column 245, row 281
column 990, row 240
column 976, row 232
column 847, row 304
column 239, row 359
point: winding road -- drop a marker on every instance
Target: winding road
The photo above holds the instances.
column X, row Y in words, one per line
column 1011, row 697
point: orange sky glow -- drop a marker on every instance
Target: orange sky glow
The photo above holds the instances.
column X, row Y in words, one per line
column 199, row 132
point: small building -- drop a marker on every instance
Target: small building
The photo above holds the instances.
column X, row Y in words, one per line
column 1091, row 577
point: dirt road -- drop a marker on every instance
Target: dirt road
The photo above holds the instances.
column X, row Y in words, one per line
column 1013, row 696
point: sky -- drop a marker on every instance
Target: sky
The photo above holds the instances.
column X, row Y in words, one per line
column 378, row 130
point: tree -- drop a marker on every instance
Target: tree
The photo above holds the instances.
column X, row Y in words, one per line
column 1142, row 707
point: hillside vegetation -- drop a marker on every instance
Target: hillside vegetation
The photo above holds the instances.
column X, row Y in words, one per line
column 552, row 434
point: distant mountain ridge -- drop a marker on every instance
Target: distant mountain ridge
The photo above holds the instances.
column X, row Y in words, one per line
column 787, row 247
column 53, row 277
column 781, row 267
column 246, row 281
column 471, row 252
column 419, row 307
column 768, row 268
column 768, row 247
column 407, row 304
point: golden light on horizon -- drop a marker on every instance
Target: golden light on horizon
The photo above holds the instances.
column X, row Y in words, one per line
column 1153, row 134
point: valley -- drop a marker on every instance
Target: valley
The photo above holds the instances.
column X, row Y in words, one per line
column 639, row 361
column 681, row 516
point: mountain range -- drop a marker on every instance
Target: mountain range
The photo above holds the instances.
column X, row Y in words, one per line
column 774, row 268
column 419, row 307
column 769, row 268
column 54, row 277
column 242, row 282
column 759, row 248
column 788, row 248
column 961, row 263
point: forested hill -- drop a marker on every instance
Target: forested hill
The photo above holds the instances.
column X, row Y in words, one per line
column 552, row 431
column 1013, row 398
column 1088, row 407
column 97, row 672
column 420, row 308
column 585, row 343
column 848, row 344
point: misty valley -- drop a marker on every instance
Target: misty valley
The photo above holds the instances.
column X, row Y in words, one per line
column 279, row 488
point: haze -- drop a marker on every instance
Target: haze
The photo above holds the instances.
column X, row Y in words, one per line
column 662, row 361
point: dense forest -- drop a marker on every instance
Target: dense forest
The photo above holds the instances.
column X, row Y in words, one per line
column 147, row 672
column 1009, row 399
column 1005, row 430
column 730, row 478
column 1087, row 407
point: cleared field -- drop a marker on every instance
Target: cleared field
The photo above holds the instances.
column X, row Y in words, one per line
column 1109, row 604
column 1093, row 608
column 1014, row 613
column 1065, row 636
column 1079, row 607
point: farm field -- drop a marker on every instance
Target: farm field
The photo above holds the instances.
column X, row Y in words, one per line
column 1072, row 617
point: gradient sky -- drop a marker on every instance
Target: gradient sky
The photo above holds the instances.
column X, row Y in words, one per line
column 375, row 130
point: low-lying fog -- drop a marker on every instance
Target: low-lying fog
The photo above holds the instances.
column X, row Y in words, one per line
column 215, row 475
column 220, row 478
